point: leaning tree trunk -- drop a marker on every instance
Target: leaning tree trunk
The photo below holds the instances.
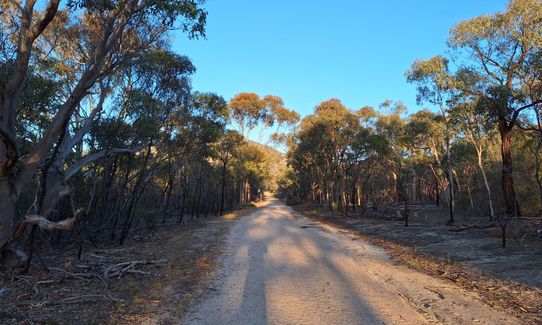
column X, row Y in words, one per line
column 507, row 183
column 486, row 184
column 450, row 178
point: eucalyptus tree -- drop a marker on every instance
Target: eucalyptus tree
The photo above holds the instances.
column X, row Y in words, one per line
column 533, row 87
column 493, row 51
column 225, row 150
column 318, row 150
column 306, row 156
column 247, row 110
column 392, row 125
column 273, row 105
column 426, row 131
column 477, row 129
column 434, row 85
column 283, row 119
column 107, row 35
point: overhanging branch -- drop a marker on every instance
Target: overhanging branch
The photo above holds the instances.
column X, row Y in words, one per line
column 76, row 167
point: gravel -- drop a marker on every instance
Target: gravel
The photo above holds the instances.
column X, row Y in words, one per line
column 281, row 268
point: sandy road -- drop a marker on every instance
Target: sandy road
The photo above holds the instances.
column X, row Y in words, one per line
column 280, row 268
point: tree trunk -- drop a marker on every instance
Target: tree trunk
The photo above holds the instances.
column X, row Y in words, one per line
column 507, row 182
column 450, row 180
column 183, row 201
column 396, row 186
column 451, row 194
column 486, row 184
column 8, row 199
column 414, row 189
column 224, row 165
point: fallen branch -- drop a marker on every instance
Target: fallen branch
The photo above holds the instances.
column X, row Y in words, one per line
column 86, row 299
column 57, row 281
column 72, row 300
column 80, row 276
column 120, row 269
column 473, row 227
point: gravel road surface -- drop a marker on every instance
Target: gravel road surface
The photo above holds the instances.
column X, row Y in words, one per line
column 281, row 268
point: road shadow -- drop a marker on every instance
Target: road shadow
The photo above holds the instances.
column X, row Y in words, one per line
column 266, row 233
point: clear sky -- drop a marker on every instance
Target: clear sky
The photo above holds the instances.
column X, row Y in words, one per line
column 309, row 51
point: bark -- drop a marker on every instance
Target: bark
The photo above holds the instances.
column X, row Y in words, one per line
column 183, row 199
column 451, row 194
column 224, row 165
column 414, row 190
column 134, row 197
column 28, row 33
column 486, row 183
column 42, row 223
column 450, row 173
column 7, row 206
column 507, row 179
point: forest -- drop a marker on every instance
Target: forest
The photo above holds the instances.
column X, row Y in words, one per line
column 103, row 136
column 102, row 132
column 476, row 149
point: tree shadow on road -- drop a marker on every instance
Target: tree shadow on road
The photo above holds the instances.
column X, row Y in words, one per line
column 280, row 250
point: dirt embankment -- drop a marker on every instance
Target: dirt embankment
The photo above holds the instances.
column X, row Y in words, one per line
column 509, row 279
column 152, row 279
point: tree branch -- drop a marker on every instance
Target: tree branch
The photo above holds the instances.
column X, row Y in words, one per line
column 44, row 224
column 68, row 144
column 76, row 167
column 50, row 13
column 518, row 110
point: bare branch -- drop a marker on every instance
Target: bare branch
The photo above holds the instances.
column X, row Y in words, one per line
column 73, row 169
column 78, row 136
column 519, row 110
column 50, row 13
column 44, row 224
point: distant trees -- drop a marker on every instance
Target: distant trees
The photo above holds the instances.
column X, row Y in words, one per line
column 225, row 149
column 327, row 153
column 248, row 111
column 434, row 86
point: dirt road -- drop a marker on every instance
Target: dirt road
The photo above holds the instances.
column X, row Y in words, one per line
column 281, row 268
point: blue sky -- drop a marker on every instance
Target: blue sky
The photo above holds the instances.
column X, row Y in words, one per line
column 309, row 51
